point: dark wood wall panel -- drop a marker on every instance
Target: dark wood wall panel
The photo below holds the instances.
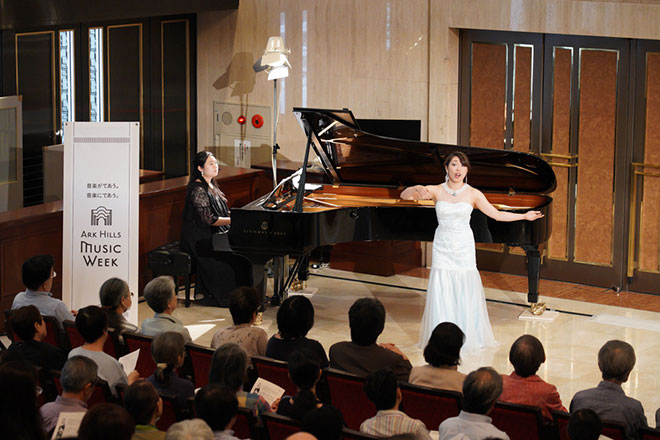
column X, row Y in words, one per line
column 522, row 121
column 35, row 65
column 125, row 76
column 488, row 95
column 175, row 96
column 595, row 187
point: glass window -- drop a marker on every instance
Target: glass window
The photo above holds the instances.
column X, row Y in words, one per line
column 96, row 74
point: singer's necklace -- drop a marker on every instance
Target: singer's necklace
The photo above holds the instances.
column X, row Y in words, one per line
column 452, row 192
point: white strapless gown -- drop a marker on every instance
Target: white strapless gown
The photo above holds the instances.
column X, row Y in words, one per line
column 455, row 293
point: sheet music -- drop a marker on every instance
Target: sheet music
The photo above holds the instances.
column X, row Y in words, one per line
column 129, row 361
column 67, row 425
column 268, row 390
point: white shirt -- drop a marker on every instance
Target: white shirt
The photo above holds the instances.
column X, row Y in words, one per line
column 44, row 301
column 469, row 426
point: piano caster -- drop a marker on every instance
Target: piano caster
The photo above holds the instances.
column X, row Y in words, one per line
column 537, row 309
column 298, row 285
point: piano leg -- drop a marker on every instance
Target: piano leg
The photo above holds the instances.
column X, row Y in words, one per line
column 533, row 272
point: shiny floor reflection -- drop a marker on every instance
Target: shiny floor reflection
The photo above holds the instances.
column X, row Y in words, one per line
column 571, row 342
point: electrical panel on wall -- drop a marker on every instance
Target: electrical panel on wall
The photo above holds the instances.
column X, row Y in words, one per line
column 242, row 134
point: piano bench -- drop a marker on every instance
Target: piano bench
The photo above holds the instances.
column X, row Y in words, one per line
column 169, row 259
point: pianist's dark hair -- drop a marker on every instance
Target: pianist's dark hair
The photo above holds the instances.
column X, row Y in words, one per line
column 461, row 156
column 195, row 175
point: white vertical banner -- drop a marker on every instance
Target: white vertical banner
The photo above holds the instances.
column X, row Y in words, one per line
column 101, row 207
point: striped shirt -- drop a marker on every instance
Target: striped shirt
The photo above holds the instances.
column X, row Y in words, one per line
column 387, row 423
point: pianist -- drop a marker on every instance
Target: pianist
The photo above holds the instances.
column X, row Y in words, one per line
column 205, row 214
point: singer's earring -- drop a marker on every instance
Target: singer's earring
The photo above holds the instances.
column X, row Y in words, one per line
column 446, row 177
column 202, row 173
column 465, row 180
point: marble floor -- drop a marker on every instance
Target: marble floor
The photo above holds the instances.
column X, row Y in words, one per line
column 571, row 341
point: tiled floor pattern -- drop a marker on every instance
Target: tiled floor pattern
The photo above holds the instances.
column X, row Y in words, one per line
column 571, row 341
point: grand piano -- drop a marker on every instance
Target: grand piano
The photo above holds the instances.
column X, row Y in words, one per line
column 365, row 175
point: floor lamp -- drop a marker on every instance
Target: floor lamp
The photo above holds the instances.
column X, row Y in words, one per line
column 275, row 61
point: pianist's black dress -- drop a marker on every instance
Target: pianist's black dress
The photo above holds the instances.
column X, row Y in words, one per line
column 218, row 272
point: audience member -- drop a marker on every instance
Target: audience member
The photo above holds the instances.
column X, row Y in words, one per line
column 195, row 429
column 229, row 368
column 523, row 386
column 362, row 355
column 78, row 378
column 295, row 318
column 38, row 273
column 29, row 326
column 168, row 352
column 243, row 306
column 116, row 299
column 481, row 389
column 305, row 372
column 106, row 421
column 382, row 388
column 302, row 435
column 19, row 415
column 584, row 424
column 217, row 406
column 324, row 423
column 92, row 324
column 143, row 403
column 442, row 354
column 616, row 360
column 160, row 294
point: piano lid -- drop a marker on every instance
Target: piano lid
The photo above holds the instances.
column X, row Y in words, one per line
column 352, row 157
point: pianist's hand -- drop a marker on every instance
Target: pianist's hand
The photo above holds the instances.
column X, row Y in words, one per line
column 532, row 215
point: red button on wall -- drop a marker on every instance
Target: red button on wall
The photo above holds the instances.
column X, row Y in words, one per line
column 257, row 121
column 241, row 120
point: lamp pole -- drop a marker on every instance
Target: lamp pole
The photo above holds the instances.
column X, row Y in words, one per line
column 275, row 146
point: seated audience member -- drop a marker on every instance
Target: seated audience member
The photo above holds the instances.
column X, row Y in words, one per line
column 92, row 324
column 229, row 368
column 116, row 299
column 523, row 386
column 168, row 351
column 616, row 360
column 301, row 436
column 78, row 378
column 243, row 306
column 19, row 414
column 38, row 273
column 295, row 318
column 305, row 372
column 382, row 388
column 481, row 389
column 584, row 424
column 161, row 297
column 195, row 429
column 217, row 406
column 443, row 357
column 362, row 355
column 106, row 421
column 143, row 403
column 29, row 326
column 324, row 423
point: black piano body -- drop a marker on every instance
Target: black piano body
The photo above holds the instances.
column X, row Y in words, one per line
column 361, row 203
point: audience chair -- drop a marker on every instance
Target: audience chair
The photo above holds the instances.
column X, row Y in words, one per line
column 8, row 328
column 611, row 430
column 169, row 259
column 520, row 422
column 200, row 357
column 279, row 427
column 274, row 371
column 55, row 334
column 172, row 413
column 145, row 364
column 431, row 406
column 120, row 389
column 347, row 393
column 246, row 425
column 649, row 434
column 112, row 345
column 102, row 393
column 351, row 434
column 75, row 340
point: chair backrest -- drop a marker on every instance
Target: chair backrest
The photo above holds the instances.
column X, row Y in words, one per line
column 75, row 339
column 278, row 427
column 172, row 412
column 274, row 371
column 201, row 363
column 246, row 424
column 352, row 434
column 431, row 406
column 520, row 422
column 610, row 429
column 54, row 333
column 347, row 393
column 101, row 394
column 120, row 388
column 649, row 434
column 145, row 363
